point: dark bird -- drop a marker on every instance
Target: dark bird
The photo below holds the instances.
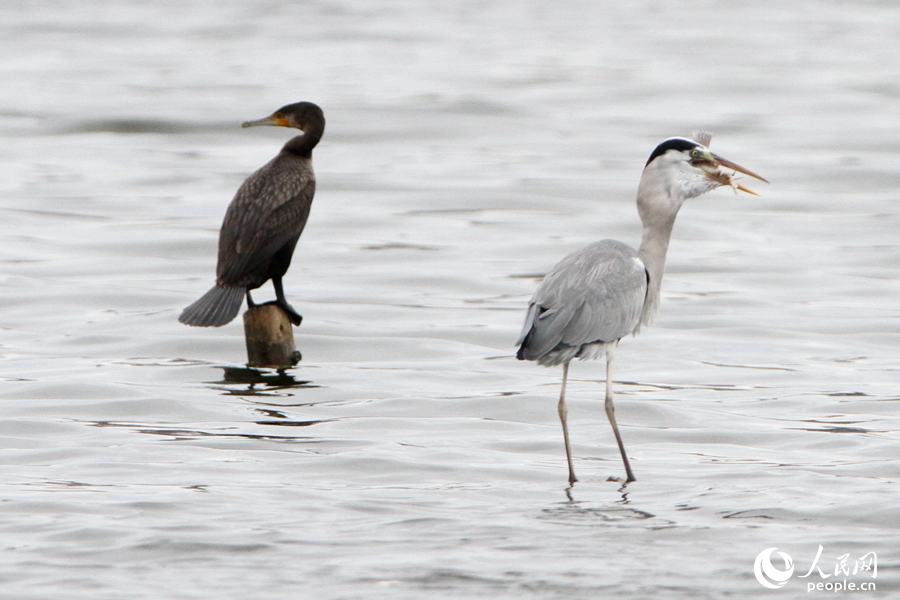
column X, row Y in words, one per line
column 264, row 222
column 597, row 295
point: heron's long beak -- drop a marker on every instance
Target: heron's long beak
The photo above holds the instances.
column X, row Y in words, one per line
column 715, row 168
column 270, row 120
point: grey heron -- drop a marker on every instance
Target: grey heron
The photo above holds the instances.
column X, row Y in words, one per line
column 264, row 222
column 597, row 295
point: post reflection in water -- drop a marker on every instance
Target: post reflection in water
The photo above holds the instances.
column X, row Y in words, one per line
column 248, row 381
column 257, row 385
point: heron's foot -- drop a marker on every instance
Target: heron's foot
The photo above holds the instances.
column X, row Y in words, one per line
column 292, row 315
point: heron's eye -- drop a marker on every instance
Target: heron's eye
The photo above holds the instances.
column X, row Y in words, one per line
column 695, row 154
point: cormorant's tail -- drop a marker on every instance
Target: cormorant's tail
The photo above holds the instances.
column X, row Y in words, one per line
column 218, row 306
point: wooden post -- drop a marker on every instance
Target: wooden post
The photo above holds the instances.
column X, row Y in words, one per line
column 270, row 337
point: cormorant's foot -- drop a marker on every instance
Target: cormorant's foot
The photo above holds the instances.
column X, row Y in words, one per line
column 292, row 315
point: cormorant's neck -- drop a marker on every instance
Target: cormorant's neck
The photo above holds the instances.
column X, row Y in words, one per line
column 303, row 144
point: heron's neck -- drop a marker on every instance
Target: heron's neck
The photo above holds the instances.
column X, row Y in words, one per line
column 658, row 205
column 654, row 245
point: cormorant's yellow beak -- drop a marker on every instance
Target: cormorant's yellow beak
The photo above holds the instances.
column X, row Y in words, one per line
column 275, row 119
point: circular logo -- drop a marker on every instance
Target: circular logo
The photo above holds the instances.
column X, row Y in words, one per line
column 767, row 574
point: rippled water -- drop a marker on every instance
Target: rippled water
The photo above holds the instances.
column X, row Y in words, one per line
column 469, row 146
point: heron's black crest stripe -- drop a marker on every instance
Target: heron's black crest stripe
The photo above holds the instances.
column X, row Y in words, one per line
column 679, row 144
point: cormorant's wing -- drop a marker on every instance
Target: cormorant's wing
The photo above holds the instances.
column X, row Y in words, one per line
column 269, row 210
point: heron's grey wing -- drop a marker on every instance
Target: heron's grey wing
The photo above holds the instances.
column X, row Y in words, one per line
column 612, row 302
column 543, row 329
column 593, row 295
column 269, row 209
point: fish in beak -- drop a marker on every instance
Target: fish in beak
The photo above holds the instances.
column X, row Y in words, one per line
column 722, row 170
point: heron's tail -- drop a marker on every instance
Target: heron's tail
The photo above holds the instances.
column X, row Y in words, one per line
column 523, row 353
column 216, row 307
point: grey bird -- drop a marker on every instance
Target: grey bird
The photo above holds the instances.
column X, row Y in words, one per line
column 597, row 295
column 264, row 222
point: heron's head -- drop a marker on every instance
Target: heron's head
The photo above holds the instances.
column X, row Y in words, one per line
column 693, row 168
column 302, row 115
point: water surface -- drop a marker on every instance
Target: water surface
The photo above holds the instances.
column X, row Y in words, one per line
column 469, row 146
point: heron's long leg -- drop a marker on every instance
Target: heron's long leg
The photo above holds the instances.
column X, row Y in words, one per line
column 250, row 302
column 611, row 410
column 563, row 411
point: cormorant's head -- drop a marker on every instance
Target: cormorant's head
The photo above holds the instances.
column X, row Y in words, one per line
column 302, row 115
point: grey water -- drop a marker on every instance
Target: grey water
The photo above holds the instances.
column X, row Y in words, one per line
column 469, row 146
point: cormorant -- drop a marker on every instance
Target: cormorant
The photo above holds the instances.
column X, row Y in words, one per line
column 264, row 222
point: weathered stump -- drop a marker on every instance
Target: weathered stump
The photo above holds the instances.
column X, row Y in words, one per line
column 270, row 337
